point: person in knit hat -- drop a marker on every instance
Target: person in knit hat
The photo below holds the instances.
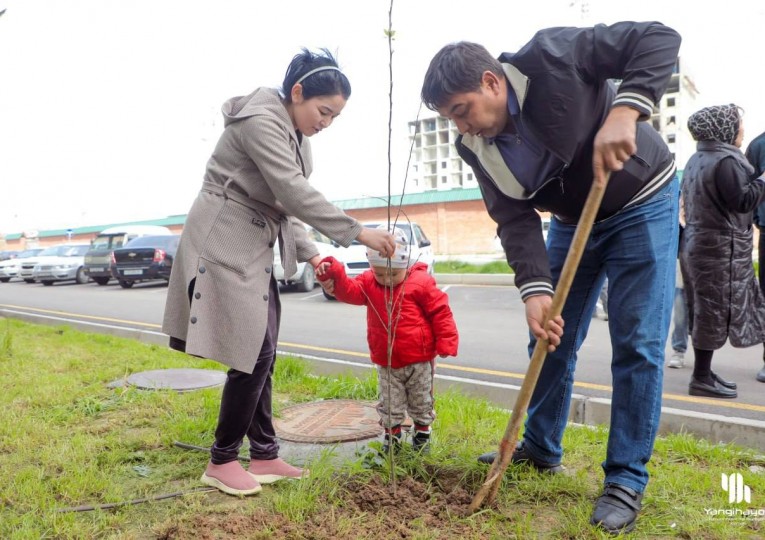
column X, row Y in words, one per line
column 720, row 192
column 420, row 327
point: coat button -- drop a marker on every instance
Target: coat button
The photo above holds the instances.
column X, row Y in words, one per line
column 202, row 270
column 270, row 244
column 197, row 295
column 265, row 297
column 268, row 270
column 193, row 320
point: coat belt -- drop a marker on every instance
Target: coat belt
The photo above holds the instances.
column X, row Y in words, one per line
column 287, row 246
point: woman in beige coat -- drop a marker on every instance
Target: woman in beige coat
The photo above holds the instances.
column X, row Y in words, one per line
column 223, row 301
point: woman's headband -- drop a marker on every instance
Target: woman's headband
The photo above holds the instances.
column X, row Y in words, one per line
column 318, row 69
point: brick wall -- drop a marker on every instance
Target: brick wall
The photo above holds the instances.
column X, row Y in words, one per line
column 454, row 228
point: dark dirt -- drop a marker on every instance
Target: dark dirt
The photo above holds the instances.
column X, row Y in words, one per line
column 365, row 508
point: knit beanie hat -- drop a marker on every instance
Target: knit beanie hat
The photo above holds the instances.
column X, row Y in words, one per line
column 718, row 123
column 401, row 256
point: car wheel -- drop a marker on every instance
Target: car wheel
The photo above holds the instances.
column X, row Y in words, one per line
column 81, row 276
column 5, row 279
column 47, row 283
column 125, row 284
column 308, row 281
column 327, row 295
column 29, row 280
column 101, row 280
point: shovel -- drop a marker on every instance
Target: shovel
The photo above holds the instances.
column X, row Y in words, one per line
column 510, row 438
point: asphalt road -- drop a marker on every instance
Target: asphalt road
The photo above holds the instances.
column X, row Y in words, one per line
column 493, row 336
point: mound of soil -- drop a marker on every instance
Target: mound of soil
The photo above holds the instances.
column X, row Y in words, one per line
column 368, row 509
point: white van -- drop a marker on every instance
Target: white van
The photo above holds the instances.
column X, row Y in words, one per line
column 98, row 259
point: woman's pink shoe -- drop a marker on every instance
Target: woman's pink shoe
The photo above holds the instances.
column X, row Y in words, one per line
column 230, row 478
column 267, row 471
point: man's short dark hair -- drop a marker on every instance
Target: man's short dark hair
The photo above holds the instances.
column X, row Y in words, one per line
column 455, row 69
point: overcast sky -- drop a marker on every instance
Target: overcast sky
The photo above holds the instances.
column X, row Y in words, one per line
column 109, row 109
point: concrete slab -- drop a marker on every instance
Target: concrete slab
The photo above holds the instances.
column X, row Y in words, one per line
column 181, row 380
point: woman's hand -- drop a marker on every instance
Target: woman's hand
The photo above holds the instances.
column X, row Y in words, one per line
column 537, row 309
column 378, row 239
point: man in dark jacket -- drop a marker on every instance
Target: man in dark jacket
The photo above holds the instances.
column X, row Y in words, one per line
column 755, row 153
column 538, row 127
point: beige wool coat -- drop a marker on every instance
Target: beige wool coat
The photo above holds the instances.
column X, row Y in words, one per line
column 254, row 187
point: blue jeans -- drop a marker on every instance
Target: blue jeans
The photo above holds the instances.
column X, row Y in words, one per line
column 680, row 327
column 636, row 249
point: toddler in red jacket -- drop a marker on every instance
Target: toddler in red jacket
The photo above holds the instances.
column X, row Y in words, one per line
column 420, row 326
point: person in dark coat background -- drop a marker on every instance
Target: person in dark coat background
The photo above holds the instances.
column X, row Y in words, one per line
column 755, row 153
column 724, row 299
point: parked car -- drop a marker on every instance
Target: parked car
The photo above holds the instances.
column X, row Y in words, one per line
column 60, row 263
column 8, row 254
column 354, row 257
column 9, row 269
column 144, row 258
column 98, row 259
column 305, row 278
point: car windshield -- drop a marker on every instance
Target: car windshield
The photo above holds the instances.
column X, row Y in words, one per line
column 107, row 241
column 29, row 253
column 162, row 241
column 64, row 251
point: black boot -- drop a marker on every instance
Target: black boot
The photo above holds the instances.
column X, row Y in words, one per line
column 617, row 509
column 421, row 439
column 392, row 439
column 521, row 455
column 710, row 388
column 722, row 382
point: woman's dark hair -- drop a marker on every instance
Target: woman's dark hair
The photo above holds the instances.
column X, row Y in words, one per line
column 455, row 69
column 328, row 82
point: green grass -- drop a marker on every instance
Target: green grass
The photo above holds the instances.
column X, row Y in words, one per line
column 459, row 267
column 66, row 439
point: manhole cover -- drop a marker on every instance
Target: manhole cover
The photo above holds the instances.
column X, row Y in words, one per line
column 330, row 421
column 177, row 379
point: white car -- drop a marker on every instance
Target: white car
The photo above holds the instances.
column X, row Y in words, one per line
column 354, row 257
column 305, row 277
column 60, row 263
column 10, row 269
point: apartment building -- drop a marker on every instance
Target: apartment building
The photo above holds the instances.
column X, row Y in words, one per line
column 670, row 116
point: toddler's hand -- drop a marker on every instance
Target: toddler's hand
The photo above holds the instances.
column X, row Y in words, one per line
column 328, row 285
column 321, row 270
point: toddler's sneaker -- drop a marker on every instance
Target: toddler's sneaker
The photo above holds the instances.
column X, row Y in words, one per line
column 268, row 471
column 230, row 478
column 677, row 360
column 392, row 438
column 421, row 439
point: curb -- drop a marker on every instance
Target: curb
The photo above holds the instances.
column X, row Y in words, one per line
column 475, row 279
column 584, row 410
